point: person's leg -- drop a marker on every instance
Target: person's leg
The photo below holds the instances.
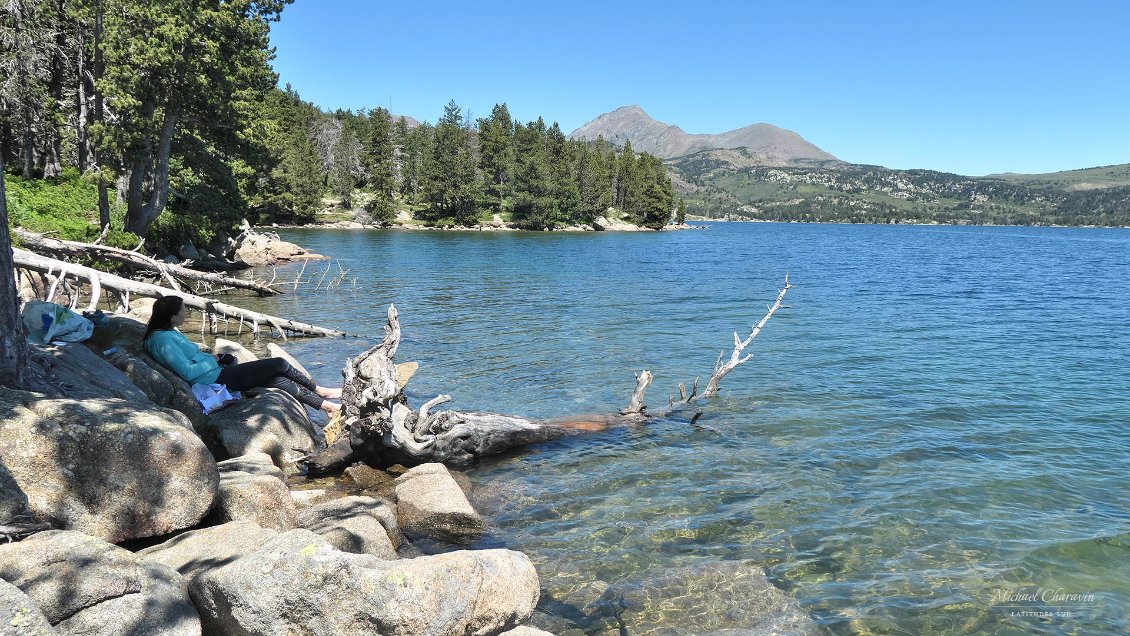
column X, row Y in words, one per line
column 276, row 373
column 299, row 392
column 243, row 376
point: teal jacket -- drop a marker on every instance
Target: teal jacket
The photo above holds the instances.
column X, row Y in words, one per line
column 172, row 349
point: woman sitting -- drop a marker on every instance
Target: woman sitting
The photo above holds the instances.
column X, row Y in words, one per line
column 168, row 346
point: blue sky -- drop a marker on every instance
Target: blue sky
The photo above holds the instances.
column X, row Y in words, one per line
column 967, row 87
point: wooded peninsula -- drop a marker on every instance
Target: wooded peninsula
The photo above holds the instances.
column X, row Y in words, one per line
column 165, row 121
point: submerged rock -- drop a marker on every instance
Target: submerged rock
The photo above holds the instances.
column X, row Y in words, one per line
column 297, row 583
column 732, row 597
column 361, row 525
column 106, row 467
column 430, row 503
column 84, row 585
column 525, row 631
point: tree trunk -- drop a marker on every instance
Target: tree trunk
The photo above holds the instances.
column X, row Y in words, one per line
column 13, row 342
column 170, row 272
column 82, row 139
column 141, row 212
column 381, row 429
column 53, row 146
column 135, row 194
column 102, row 280
column 160, row 194
column 99, row 114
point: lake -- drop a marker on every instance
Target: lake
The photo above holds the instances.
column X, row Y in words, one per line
column 932, row 437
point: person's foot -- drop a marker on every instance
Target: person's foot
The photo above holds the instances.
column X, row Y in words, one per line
column 327, row 392
column 331, row 408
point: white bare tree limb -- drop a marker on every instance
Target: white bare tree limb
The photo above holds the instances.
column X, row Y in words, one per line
column 720, row 369
column 636, row 405
column 36, row 263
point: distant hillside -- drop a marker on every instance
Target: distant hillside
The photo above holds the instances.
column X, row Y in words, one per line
column 766, row 145
column 1071, row 180
column 724, row 183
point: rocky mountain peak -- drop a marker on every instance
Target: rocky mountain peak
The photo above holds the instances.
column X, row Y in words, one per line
column 631, row 123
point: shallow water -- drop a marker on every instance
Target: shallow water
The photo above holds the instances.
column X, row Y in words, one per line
column 934, row 429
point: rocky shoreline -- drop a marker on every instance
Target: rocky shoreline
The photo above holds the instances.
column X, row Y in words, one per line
column 405, row 222
column 140, row 515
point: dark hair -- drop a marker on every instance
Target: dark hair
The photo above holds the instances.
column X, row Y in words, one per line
column 162, row 317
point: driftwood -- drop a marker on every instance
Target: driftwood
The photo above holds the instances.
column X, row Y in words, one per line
column 168, row 271
column 721, row 369
column 124, row 287
column 380, row 428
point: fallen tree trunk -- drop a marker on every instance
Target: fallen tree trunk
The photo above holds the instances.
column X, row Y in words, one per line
column 170, row 272
column 125, row 287
column 381, row 429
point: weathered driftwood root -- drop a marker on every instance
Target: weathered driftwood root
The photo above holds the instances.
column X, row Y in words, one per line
column 381, row 429
column 168, row 271
column 125, row 287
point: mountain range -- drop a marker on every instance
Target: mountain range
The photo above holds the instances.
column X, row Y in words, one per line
column 764, row 172
column 766, row 144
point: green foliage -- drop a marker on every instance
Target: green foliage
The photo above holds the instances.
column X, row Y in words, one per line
column 65, row 207
column 378, row 154
column 291, row 190
column 450, row 184
column 496, row 142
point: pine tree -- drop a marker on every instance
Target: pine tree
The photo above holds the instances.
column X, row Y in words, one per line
column 563, row 182
column 450, row 185
column 378, row 155
column 652, row 203
column 532, row 206
column 627, row 182
column 496, row 141
column 417, row 147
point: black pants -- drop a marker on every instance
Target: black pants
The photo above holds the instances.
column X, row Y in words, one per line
column 274, row 373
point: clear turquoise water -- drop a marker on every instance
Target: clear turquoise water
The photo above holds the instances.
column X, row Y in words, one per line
column 938, row 420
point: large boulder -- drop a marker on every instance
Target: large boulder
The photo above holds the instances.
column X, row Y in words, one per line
column 297, row 583
column 84, row 585
column 253, row 463
column 273, row 423
column 361, row 525
column 163, row 387
column 13, row 501
column 278, row 352
column 194, row 552
column 430, row 503
column 78, row 373
column 106, row 467
column 124, row 332
column 265, row 249
column 19, row 615
column 525, row 631
column 238, row 351
column 258, row 497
